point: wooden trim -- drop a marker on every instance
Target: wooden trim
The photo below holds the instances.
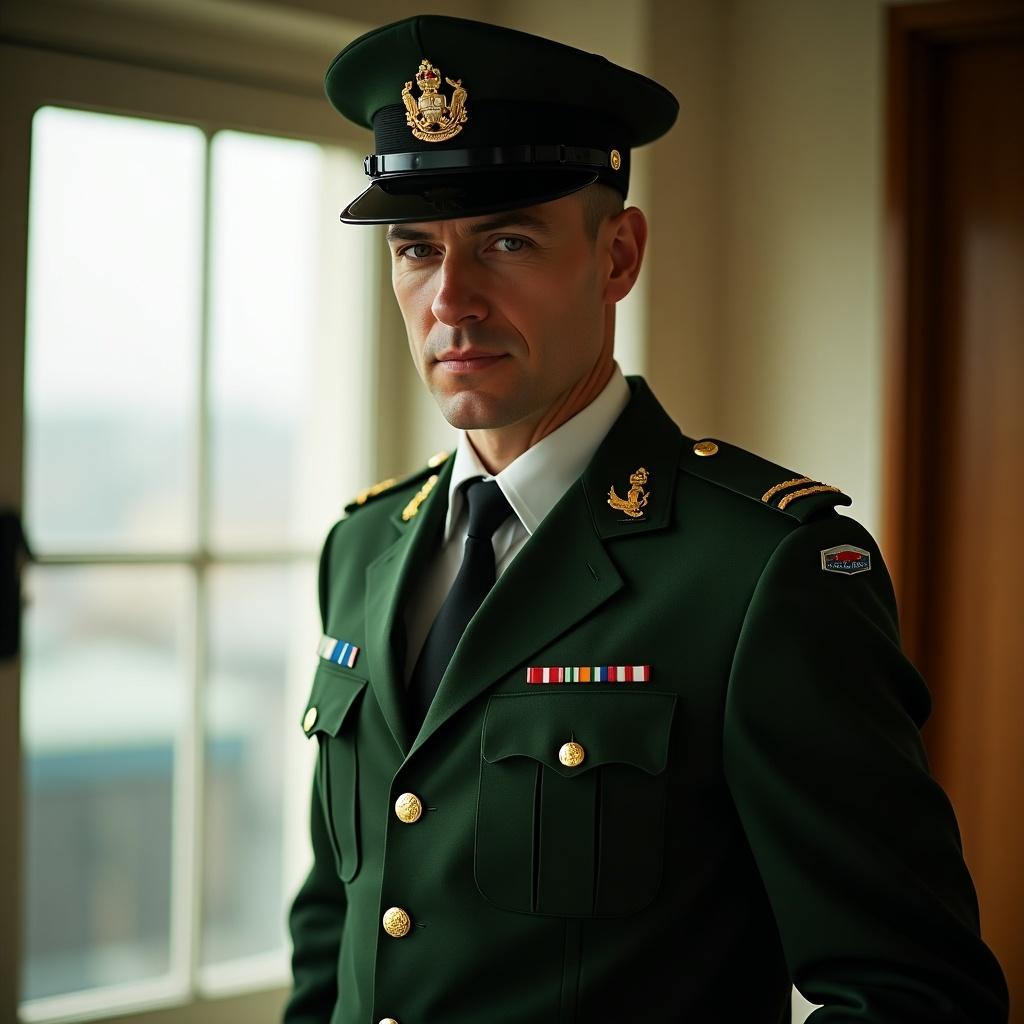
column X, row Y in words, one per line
column 917, row 36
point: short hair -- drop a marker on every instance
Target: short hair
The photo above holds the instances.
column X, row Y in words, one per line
column 598, row 202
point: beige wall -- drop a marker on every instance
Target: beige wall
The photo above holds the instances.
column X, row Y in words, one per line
column 800, row 319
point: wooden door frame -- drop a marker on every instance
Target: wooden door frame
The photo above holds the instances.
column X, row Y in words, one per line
column 917, row 36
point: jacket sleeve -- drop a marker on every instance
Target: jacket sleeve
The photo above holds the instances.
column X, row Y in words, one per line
column 318, row 911
column 856, row 843
column 316, row 920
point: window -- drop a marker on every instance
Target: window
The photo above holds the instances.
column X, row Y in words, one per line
column 195, row 413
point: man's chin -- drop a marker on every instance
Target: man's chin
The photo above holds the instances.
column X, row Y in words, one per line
column 475, row 410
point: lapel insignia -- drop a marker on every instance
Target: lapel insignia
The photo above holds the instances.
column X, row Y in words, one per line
column 636, row 497
column 846, row 559
column 341, row 652
column 413, row 507
column 433, row 118
column 548, row 675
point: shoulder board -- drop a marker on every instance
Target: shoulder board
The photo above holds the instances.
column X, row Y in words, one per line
column 773, row 486
column 370, row 494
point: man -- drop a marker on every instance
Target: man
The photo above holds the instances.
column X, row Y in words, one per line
column 613, row 724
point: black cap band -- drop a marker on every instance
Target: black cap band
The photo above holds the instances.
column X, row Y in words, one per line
column 380, row 164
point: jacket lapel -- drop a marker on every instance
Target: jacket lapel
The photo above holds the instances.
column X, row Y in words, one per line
column 564, row 571
column 388, row 580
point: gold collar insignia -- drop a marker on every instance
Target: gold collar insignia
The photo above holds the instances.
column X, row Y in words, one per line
column 636, row 498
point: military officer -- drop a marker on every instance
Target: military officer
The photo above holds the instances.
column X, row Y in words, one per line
column 613, row 724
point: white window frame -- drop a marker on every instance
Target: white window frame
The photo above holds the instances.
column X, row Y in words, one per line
column 233, row 92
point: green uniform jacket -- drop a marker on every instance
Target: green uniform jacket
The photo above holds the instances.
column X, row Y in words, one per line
column 759, row 812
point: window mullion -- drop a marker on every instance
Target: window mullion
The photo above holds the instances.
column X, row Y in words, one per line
column 191, row 840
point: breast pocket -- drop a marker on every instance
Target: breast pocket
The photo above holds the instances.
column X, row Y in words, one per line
column 571, row 803
column 330, row 717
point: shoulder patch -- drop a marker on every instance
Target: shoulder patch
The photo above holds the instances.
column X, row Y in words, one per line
column 369, row 494
column 771, row 485
column 847, row 559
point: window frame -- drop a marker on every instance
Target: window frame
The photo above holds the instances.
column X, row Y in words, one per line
column 30, row 78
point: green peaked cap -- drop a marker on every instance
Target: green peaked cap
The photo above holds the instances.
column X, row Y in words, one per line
column 504, row 119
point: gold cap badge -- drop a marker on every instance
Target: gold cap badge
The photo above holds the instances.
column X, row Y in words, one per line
column 433, row 118
column 636, row 497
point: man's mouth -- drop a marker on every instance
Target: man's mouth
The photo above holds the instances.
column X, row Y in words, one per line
column 468, row 360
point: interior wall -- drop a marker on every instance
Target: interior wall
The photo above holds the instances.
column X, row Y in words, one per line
column 685, row 258
column 767, row 325
column 802, row 368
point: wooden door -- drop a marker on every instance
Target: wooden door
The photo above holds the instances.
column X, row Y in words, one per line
column 956, row 468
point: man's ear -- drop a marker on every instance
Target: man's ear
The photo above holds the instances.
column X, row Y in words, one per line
column 626, row 235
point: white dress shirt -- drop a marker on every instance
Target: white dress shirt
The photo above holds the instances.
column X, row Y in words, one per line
column 533, row 484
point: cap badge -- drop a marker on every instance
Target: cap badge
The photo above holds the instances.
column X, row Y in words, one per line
column 433, row 118
column 636, row 497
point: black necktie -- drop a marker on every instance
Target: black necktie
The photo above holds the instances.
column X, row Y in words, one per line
column 488, row 509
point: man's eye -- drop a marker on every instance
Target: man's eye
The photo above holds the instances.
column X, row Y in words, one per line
column 511, row 244
column 417, row 251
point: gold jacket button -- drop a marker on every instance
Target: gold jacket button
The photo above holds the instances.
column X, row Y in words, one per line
column 408, row 808
column 388, row 1020
column 571, row 754
column 397, row 923
column 705, row 448
column 310, row 720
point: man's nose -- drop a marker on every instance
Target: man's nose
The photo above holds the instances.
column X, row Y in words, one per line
column 459, row 296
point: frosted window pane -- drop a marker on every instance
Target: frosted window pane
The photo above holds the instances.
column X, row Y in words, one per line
column 115, row 244
column 104, row 693
column 289, row 369
column 261, row 626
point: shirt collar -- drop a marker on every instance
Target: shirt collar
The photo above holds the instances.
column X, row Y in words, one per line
column 535, row 481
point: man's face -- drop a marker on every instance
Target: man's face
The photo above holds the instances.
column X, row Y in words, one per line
column 504, row 312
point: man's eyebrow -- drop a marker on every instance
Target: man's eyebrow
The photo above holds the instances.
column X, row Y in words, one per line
column 513, row 218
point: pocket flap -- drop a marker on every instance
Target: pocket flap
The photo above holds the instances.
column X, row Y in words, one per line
column 612, row 728
column 333, row 694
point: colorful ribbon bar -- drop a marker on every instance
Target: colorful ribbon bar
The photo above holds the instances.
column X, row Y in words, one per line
column 341, row 652
column 552, row 674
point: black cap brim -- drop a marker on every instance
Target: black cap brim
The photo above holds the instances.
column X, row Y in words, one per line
column 417, row 197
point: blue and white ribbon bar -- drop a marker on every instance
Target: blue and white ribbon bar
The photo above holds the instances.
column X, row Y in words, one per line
column 546, row 675
column 341, row 652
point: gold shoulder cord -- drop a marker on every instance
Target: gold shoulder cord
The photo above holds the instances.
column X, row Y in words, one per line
column 815, row 487
column 785, row 485
column 804, row 492
column 371, row 492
